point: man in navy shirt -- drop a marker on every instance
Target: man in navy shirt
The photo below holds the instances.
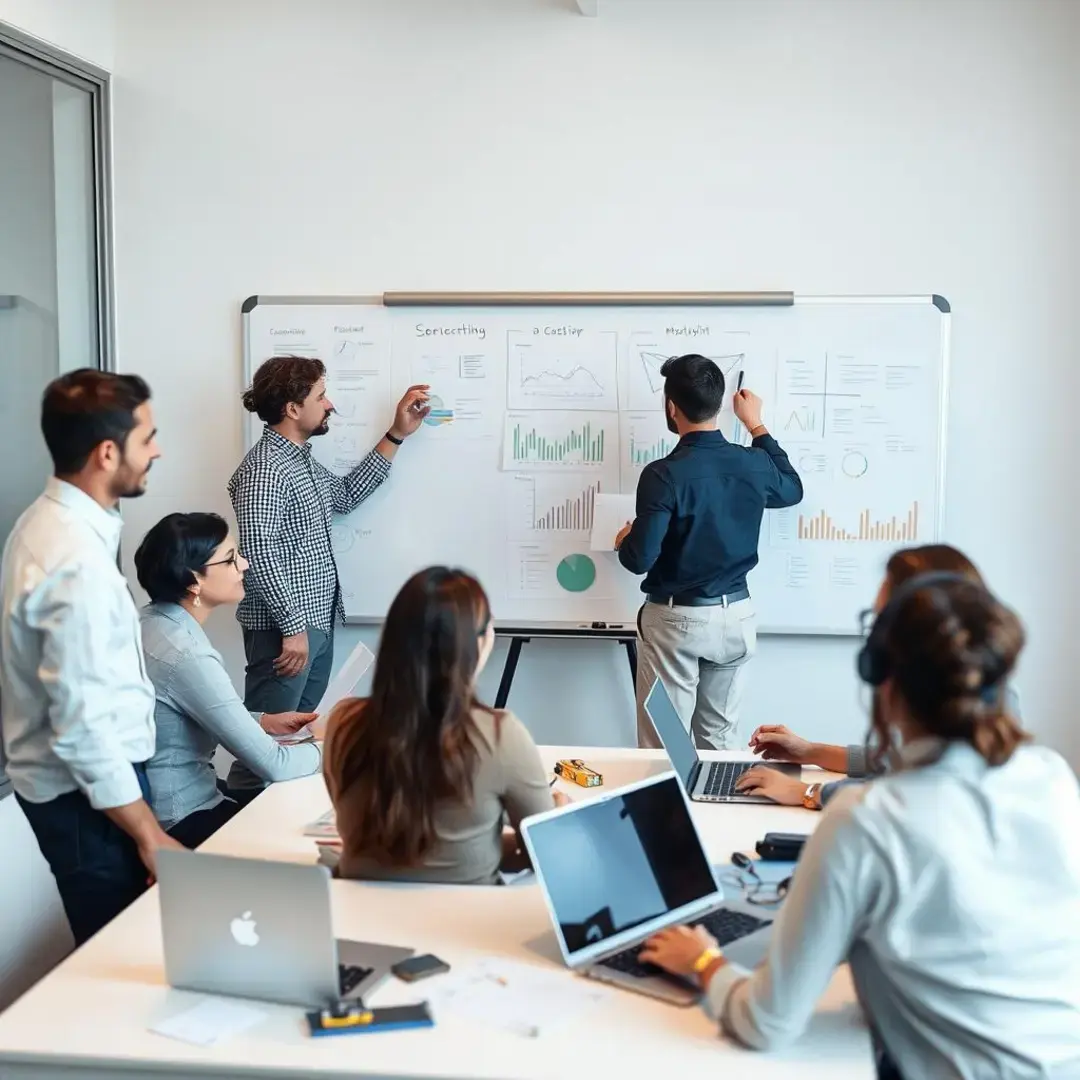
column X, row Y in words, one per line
column 695, row 538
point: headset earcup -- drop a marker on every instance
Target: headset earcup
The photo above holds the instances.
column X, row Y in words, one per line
column 870, row 664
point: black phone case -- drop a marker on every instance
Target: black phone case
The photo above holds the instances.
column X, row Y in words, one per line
column 419, row 967
column 780, row 847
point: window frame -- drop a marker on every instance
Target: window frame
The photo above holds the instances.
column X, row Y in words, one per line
column 39, row 55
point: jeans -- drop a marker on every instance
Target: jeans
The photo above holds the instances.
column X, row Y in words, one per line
column 700, row 655
column 96, row 864
column 267, row 692
column 200, row 826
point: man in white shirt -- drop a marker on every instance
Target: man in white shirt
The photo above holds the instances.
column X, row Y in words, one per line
column 76, row 705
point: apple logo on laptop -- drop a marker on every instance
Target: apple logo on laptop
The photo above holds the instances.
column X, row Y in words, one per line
column 243, row 930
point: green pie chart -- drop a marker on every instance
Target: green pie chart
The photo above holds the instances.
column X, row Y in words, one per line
column 576, row 573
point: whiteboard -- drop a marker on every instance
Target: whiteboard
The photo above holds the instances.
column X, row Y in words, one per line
column 544, row 406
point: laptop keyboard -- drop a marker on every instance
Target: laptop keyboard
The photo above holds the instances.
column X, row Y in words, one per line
column 351, row 976
column 723, row 775
column 724, row 924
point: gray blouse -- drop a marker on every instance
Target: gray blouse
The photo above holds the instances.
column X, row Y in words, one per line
column 196, row 709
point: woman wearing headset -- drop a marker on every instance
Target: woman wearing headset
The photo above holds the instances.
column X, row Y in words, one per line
column 774, row 742
column 951, row 885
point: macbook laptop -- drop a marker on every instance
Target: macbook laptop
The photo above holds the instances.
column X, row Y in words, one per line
column 258, row 929
column 705, row 781
column 617, row 868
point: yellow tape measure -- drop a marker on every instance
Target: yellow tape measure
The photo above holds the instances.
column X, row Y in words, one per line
column 575, row 771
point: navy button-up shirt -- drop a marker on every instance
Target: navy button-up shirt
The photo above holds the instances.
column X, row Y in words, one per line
column 699, row 513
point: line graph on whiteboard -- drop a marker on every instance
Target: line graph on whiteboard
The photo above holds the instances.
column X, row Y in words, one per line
column 562, row 372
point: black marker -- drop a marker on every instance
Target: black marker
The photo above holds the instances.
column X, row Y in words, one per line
column 738, row 385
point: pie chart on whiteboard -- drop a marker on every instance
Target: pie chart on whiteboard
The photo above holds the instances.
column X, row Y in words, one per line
column 576, row 573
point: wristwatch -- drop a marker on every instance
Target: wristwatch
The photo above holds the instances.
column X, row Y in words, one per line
column 706, row 958
column 810, row 799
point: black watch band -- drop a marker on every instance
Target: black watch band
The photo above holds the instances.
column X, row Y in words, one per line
column 394, row 439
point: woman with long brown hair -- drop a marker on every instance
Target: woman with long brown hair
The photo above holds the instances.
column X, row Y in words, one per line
column 421, row 774
column 951, row 885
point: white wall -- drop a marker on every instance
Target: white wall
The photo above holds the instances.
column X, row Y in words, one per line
column 83, row 28
column 819, row 145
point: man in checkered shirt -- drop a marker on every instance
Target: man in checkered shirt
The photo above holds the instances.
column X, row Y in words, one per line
column 284, row 502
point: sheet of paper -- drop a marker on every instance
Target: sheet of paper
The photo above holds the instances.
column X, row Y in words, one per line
column 610, row 514
column 341, row 686
column 324, row 826
column 515, row 997
column 349, row 674
column 210, row 1022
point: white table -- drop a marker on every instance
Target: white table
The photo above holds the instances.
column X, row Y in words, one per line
column 90, row 1017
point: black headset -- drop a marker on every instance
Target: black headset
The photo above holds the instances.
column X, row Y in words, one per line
column 873, row 663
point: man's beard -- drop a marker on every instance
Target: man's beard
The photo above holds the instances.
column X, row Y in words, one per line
column 323, row 428
column 132, row 489
column 670, row 420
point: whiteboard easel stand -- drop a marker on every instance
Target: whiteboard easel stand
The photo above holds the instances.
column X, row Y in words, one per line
column 520, row 635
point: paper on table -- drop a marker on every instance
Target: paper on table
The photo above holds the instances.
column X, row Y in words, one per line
column 610, row 514
column 210, row 1022
column 515, row 997
column 341, row 686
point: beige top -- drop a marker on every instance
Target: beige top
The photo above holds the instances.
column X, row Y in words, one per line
column 510, row 780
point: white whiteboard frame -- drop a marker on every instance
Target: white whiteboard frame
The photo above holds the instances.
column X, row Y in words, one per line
column 619, row 631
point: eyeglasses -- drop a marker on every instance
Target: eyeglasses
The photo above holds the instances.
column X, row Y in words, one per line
column 756, row 891
column 232, row 560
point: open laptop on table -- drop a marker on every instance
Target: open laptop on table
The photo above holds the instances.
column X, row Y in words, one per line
column 705, row 781
column 617, row 868
column 258, row 929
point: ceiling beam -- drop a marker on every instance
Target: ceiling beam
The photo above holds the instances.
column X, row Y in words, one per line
column 589, row 7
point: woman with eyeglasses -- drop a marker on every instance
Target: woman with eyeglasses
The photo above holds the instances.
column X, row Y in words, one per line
column 420, row 773
column 189, row 565
column 775, row 742
column 951, row 886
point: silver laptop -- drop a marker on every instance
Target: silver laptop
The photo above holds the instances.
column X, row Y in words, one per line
column 617, row 868
column 259, row 929
column 705, row 781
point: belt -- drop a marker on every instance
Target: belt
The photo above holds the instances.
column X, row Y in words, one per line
column 690, row 600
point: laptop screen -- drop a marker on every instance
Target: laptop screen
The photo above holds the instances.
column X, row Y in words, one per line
column 676, row 739
column 615, row 862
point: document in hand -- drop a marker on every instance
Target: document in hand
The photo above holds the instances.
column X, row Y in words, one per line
column 342, row 685
column 610, row 514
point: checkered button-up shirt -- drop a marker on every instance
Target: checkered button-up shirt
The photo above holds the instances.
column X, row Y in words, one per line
column 284, row 501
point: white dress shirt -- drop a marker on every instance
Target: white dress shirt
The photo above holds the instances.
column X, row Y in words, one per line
column 953, row 890
column 77, row 705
